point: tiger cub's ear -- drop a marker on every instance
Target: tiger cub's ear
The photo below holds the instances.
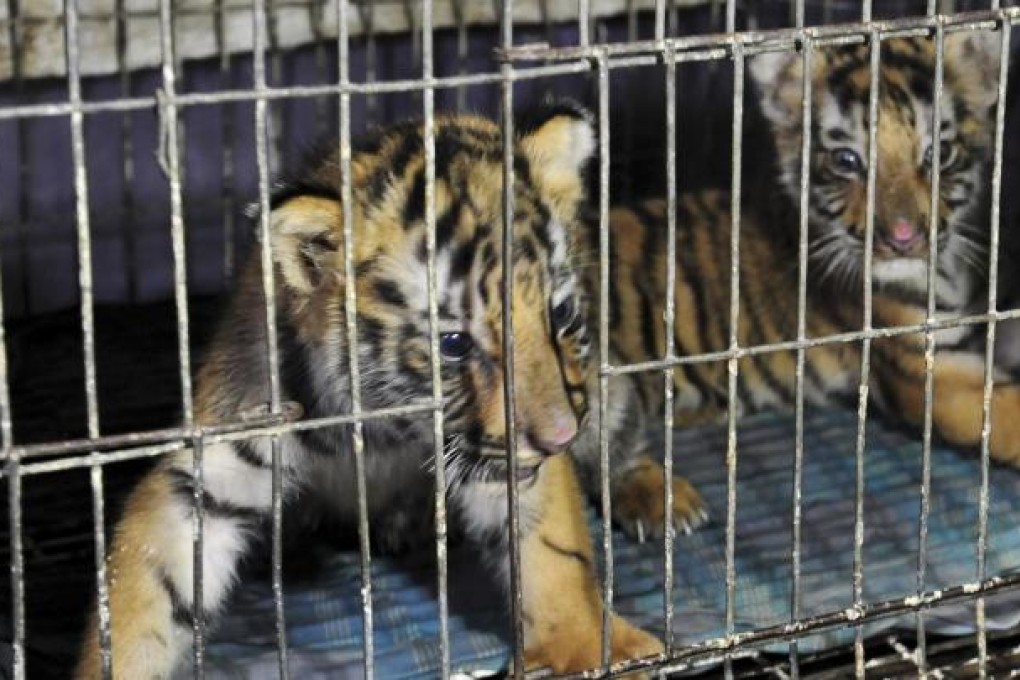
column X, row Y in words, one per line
column 778, row 78
column 972, row 61
column 306, row 241
column 558, row 141
column 557, row 138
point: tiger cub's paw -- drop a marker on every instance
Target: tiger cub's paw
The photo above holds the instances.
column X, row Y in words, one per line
column 639, row 502
column 580, row 648
column 631, row 643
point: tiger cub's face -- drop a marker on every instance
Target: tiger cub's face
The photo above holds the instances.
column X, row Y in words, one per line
column 551, row 344
column 906, row 144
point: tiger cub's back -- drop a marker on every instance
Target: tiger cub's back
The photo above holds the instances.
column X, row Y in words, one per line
column 766, row 311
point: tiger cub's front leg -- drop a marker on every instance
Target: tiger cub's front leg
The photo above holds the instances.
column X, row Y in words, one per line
column 637, row 480
column 150, row 564
column 957, row 401
column 560, row 592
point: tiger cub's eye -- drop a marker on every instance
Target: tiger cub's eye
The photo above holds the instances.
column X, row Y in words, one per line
column 455, row 346
column 947, row 154
column 563, row 313
column 847, row 160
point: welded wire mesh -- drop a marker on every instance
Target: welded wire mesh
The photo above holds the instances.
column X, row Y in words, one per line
column 257, row 100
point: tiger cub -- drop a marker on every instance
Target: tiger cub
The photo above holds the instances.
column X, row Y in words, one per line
column 150, row 563
column 769, row 244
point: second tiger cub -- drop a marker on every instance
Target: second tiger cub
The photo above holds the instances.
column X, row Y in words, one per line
column 769, row 244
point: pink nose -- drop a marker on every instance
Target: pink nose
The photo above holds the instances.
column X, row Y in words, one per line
column 558, row 434
column 904, row 231
column 904, row 237
column 564, row 432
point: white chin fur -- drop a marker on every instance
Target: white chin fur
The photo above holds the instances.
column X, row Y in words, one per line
column 900, row 270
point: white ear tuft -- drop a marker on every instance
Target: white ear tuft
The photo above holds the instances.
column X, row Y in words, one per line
column 769, row 68
column 561, row 137
column 974, row 56
column 778, row 78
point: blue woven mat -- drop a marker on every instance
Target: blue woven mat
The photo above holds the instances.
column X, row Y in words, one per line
column 324, row 616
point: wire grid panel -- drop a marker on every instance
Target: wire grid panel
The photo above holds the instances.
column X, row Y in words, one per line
column 585, row 57
column 737, row 47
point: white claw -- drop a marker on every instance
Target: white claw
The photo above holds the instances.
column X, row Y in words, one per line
column 640, row 531
column 687, row 528
column 703, row 515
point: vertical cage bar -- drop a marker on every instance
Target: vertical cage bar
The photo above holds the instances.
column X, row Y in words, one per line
column 87, row 321
column 509, row 401
column 366, row 12
column 12, row 468
column 733, row 365
column 604, row 357
column 863, row 388
column 14, row 34
column 807, row 80
column 169, row 114
column 317, row 20
column 428, row 104
column 412, row 21
column 278, row 118
column 462, row 52
column 172, row 167
column 660, row 21
column 351, row 323
column 272, row 344
column 993, row 279
column 669, row 530
column 798, row 13
column 583, row 21
column 227, row 214
column 731, row 16
column 628, row 116
column 13, row 473
column 128, row 217
column 929, row 340
column 549, row 33
column 82, row 213
column 197, row 554
column 102, row 592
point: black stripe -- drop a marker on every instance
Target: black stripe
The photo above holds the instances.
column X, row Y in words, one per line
column 694, row 278
column 614, row 293
column 890, row 366
column 414, row 207
column 245, row 451
column 691, row 375
column 719, row 246
column 184, row 487
column 389, row 292
column 182, row 614
column 643, row 281
column 762, row 361
column 541, row 228
column 566, row 552
column 299, row 189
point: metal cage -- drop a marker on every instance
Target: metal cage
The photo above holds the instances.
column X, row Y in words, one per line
column 217, row 95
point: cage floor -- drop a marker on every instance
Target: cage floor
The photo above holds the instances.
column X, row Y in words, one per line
column 324, row 620
column 138, row 388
